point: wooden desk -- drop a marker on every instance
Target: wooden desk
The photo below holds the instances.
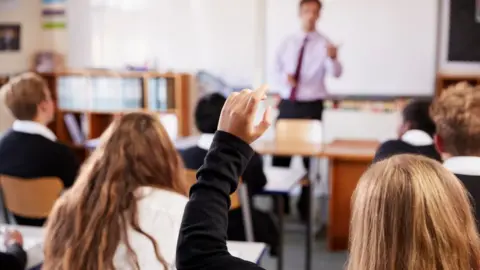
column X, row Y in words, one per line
column 348, row 160
column 285, row 148
column 248, row 251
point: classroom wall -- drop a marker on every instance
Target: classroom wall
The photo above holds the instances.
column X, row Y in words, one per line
column 446, row 66
column 27, row 13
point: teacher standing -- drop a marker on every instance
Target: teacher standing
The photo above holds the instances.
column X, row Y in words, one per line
column 303, row 60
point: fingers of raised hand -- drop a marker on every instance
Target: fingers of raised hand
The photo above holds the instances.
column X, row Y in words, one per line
column 264, row 124
column 255, row 98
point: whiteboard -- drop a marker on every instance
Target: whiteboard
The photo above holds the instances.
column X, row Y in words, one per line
column 387, row 47
column 177, row 35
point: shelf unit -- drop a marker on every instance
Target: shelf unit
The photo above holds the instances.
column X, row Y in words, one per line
column 97, row 118
column 445, row 80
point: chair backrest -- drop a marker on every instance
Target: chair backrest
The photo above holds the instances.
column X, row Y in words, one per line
column 234, row 198
column 32, row 198
column 299, row 130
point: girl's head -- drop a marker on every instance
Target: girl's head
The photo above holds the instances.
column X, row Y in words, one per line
column 408, row 212
column 92, row 218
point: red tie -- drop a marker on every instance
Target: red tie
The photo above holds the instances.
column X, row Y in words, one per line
column 293, row 93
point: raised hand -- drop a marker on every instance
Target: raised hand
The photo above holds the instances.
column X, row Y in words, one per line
column 238, row 115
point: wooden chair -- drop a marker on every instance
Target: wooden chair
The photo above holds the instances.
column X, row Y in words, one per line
column 237, row 199
column 298, row 130
column 32, row 198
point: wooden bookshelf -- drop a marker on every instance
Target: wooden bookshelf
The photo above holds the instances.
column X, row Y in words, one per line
column 445, row 80
column 97, row 119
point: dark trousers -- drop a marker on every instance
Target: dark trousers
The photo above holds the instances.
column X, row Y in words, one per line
column 298, row 110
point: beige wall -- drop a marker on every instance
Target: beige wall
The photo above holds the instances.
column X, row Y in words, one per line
column 28, row 14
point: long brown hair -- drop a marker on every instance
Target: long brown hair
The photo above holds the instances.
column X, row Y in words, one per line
column 92, row 218
column 411, row 213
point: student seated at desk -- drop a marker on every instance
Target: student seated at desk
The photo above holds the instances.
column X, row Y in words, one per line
column 457, row 116
column 415, row 134
column 14, row 258
column 30, row 149
column 409, row 212
column 207, row 114
column 125, row 209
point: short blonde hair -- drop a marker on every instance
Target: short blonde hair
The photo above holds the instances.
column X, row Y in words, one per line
column 409, row 212
column 456, row 114
column 24, row 93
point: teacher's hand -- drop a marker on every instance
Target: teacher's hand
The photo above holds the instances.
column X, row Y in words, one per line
column 238, row 115
column 292, row 81
column 332, row 51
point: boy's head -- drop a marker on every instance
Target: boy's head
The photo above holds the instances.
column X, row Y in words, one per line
column 28, row 98
column 456, row 114
column 208, row 112
column 416, row 116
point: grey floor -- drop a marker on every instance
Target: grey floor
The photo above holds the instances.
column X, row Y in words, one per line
column 294, row 252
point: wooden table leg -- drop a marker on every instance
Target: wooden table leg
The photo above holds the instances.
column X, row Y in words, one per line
column 344, row 176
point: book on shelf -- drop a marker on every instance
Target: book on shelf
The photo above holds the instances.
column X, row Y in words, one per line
column 74, row 128
column 99, row 93
column 161, row 94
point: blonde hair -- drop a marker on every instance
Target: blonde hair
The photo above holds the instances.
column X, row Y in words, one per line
column 409, row 212
column 456, row 114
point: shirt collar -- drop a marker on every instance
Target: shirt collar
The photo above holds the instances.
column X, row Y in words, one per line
column 32, row 127
column 417, row 137
column 205, row 141
column 309, row 35
column 463, row 165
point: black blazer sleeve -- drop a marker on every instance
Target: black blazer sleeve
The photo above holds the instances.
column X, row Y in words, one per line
column 203, row 233
column 14, row 259
column 254, row 176
column 69, row 169
column 385, row 150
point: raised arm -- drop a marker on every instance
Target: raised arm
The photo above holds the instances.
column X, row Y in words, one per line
column 335, row 67
column 202, row 243
column 332, row 64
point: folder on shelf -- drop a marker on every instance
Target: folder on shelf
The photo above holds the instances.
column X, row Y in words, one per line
column 73, row 128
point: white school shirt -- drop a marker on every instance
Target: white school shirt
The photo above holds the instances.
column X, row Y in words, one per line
column 417, row 137
column 463, row 165
column 160, row 215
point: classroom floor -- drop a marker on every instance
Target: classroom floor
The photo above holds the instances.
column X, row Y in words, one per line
column 295, row 251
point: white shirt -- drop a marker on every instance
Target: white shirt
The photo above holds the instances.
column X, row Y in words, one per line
column 417, row 137
column 160, row 215
column 205, row 141
column 315, row 65
column 32, row 127
column 463, row 165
